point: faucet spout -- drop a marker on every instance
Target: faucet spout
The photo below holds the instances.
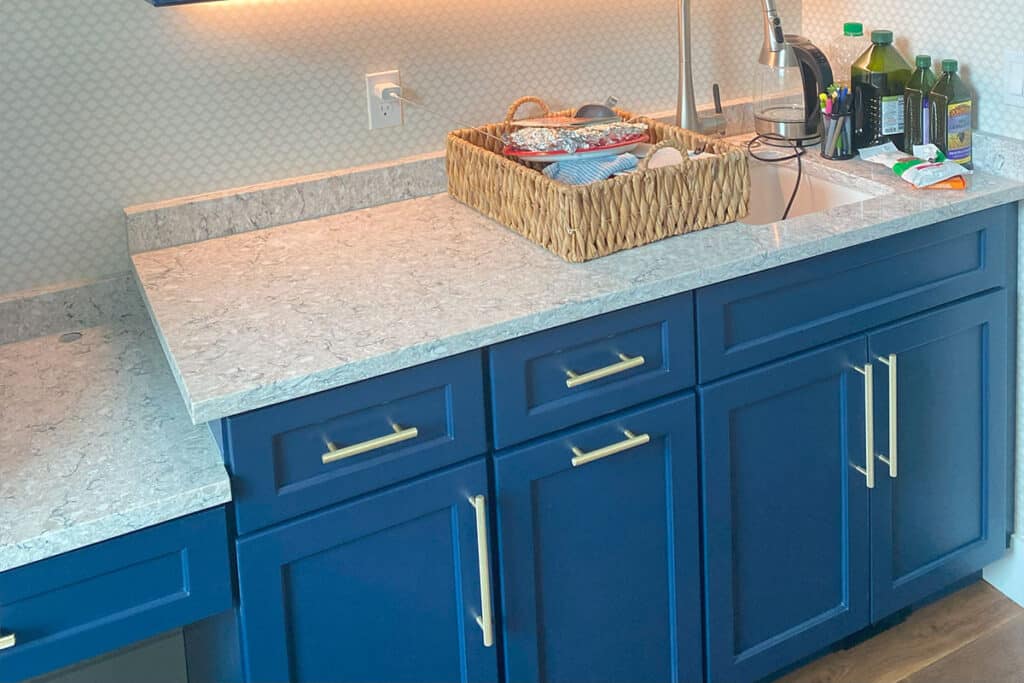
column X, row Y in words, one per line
column 686, row 105
column 686, row 111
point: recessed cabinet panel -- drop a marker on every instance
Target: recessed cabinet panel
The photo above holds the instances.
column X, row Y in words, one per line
column 295, row 457
column 91, row 601
column 386, row 588
column 786, row 511
column 554, row 379
column 600, row 560
column 939, row 513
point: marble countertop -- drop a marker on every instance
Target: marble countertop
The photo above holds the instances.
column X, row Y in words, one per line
column 95, row 442
column 266, row 316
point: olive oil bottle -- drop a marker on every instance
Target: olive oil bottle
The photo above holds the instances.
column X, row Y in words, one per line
column 918, row 104
column 952, row 114
column 879, row 79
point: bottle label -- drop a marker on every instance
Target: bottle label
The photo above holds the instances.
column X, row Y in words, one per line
column 893, row 111
column 958, row 132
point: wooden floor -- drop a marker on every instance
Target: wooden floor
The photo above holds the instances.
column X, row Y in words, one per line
column 973, row 636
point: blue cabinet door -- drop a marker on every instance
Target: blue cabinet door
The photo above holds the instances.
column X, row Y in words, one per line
column 386, row 588
column 600, row 559
column 785, row 511
column 943, row 515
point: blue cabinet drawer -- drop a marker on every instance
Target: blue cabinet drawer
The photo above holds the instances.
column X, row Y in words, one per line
column 554, row 379
column 306, row 454
column 770, row 315
column 95, row 600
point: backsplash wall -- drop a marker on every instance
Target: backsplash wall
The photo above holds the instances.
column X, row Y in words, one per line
column 108, row 103
column 976, row 33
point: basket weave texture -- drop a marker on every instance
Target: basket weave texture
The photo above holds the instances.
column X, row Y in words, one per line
column 580, row 223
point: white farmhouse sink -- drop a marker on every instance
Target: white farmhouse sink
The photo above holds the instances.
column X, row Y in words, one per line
column 772, row 186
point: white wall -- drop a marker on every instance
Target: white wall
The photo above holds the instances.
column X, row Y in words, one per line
column 107, row 103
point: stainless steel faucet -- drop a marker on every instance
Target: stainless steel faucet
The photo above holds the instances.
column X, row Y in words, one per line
column 686, row 111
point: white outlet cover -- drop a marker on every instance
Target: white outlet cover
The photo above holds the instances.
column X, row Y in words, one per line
column 383, row 114
column 1013, row 90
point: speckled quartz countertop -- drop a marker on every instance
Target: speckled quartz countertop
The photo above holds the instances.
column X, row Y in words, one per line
column 266, row 316
column 95, row 442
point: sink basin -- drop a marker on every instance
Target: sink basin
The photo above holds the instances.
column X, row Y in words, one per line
column 771, row 186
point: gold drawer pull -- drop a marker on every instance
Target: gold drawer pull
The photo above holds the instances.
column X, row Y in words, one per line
column 893, row 458
column 7, row 641
column 632, row 441
column 869, row 425
column 486, row 619
column 334, row 454
column 573, row 380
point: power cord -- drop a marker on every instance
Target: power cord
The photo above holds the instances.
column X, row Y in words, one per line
column 392, row 91
column 798, row 152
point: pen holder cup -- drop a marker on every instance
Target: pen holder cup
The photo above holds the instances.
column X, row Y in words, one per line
column 837, row 142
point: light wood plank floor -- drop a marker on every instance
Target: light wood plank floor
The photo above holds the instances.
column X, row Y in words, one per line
column 973, row 636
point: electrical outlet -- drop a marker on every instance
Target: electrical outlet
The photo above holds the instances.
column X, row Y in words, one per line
column 1013, row 89
column 383, row 114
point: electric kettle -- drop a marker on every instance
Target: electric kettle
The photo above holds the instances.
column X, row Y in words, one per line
column 790, row 75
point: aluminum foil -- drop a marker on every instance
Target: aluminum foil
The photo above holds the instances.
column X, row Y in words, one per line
column 573, row 139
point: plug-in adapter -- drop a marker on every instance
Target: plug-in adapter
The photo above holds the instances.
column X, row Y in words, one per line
column 388, row 92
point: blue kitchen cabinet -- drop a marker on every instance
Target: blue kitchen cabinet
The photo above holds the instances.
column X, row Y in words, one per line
column 786, row 521
column 385, row 588
column 943, row 407
column 374, row 567
column 599, row 547
column 96, row 599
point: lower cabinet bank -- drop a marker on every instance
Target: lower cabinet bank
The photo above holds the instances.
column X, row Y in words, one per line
column 710, row 487
column 72, row 607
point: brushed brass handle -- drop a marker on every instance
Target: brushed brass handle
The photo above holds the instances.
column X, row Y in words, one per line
column 632, row 441
column 486, row 619
column 574, row 380
column 7, row 641
column 869, row 425
column 892, row 460
column 334, row 454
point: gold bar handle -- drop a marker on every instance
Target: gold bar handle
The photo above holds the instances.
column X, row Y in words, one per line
column 632, row 441
column 869, row 425
column 334, row 454
column 626, row 363
column 486, row 619
column 7, row 641
column 893, row 458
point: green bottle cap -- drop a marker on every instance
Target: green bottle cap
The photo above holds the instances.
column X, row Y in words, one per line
column 924, row 61
column 853, row 28
column 950, row 66
column 881, row 37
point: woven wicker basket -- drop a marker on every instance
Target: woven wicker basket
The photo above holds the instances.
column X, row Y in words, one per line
column 585, row 222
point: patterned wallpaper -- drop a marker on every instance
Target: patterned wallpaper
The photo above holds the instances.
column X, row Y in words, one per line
column 108, row 103
column 976, row 33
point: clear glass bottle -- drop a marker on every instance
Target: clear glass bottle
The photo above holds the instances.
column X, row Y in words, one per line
column 952, row 111
column 880, row 78
column 845, row 50
column 918, row 117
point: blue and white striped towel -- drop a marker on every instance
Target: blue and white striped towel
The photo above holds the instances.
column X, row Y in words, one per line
column 586, row 171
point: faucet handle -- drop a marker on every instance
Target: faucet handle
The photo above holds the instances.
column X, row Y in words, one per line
column 715, row 124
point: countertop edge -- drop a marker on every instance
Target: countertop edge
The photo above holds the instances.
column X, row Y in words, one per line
column 202, row 411
column 81, row 535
